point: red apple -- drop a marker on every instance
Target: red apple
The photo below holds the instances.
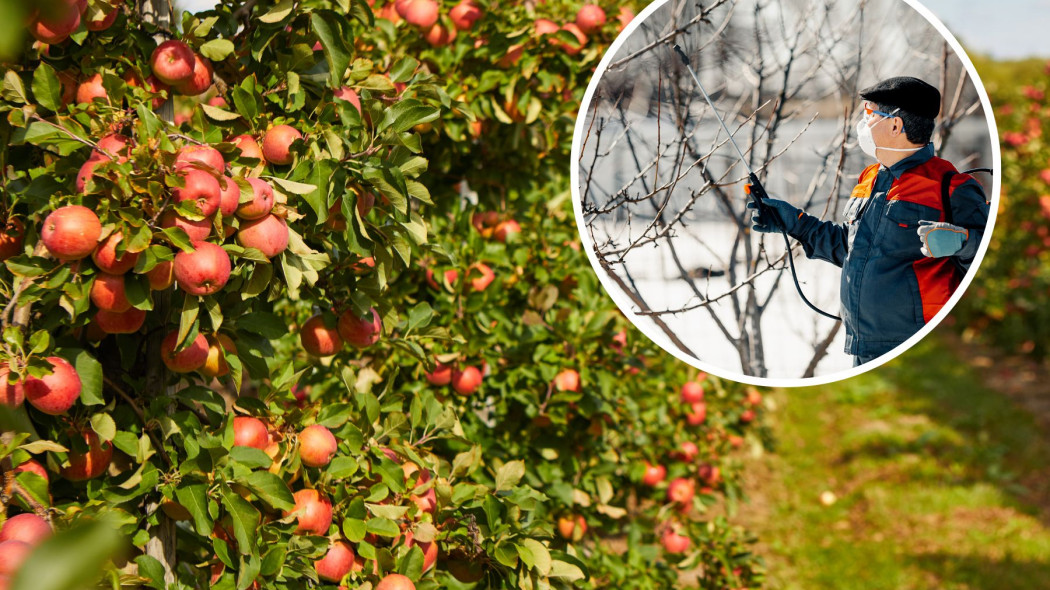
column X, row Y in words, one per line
column 229, row 196
column 88, row 464
column 747, row 416
column 203, row 271
column 572, row 527
column 107, row 292
column 429, row 549
column 312, row 511
column 201, row 188
column 544, row 26
column 261, row 203
column 250, row 432
column 268, row 234
column 188, row 359
column 27, row 528
column 464, row 14
column 673, row 542
column 625, row 16
column 337, row 563
column 349, row 95
column 200, row 81
column 686, row 452
column 590, row 18
column 441, row 375
column 654, row 474
column 697, row 414
column 754, row 398
column 681, row 491
column 197, row 230
column 421, row 13
column 192, row 155
column 161, row 276
column 709, row 474
column 248, row 146
column 567, row 380
column 11, row 394
column 32, row 466
column 120, row 322
column 12, row 238
column 570, row 48
column 12, row 555
column 439, row 35
column 219, row 345
column 317, row 445
column 480, row 283
column 55, row 393
column 396, row 581
column 56, row 27
column 277, row 143
column 107, row 260
column 172, row 62
column 466, row 381
column 319, row 337
column 506, row 230
column 358, row 331
column 71, row 232
column 113, row 144
column 692, row 392
column 102, row 23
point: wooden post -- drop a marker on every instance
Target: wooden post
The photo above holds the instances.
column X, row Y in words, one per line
column 161, row 545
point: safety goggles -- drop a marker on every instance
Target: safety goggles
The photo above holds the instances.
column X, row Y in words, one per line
column 869, row 110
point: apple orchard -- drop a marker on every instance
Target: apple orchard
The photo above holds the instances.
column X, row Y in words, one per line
column 293, row 298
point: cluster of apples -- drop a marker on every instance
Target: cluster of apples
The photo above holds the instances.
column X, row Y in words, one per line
column 492, row 225
column 465, row 380
column 425, row 15
column 590, row 19
column 324, row 335
column 18, row 536
column 65, row 17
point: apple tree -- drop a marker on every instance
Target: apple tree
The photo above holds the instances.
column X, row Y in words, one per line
column 293, row 298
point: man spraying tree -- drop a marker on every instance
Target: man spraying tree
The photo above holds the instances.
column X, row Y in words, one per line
column 912, row 224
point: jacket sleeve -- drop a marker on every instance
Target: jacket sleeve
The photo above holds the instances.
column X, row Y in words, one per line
column 970, row 209
column 823, row 240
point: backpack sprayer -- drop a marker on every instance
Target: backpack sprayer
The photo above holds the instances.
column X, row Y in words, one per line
column 754, row 188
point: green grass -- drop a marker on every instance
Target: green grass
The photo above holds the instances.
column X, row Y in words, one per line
column 940, row 483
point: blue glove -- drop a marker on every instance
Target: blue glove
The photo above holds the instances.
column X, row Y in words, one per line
column 774, row 215
column 941, row 239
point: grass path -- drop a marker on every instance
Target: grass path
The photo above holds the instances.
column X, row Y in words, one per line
column 939, row 479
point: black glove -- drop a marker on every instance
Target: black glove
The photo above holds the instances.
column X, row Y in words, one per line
column 774, row 216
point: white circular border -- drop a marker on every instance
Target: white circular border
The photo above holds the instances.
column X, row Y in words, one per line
column 623, row 301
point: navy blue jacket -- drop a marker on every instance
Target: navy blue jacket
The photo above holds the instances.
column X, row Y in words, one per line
column 889, row 289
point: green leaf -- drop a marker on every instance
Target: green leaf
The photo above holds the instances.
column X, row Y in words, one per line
column 354, row 529
column 403, row 69
column 218, row 114
column 270, row 489
column 382, row 527
column 70, row 559
column 264, row 324
column 14, row 89
column 104, row 426
column 278, row 13
column 534, row 554
column 420, row 315
column 326, row 26
column 90, row 372
column 47, row 89
column 217, row 49
column 296, row 188
column 566, row 571
column 194, row 497
column 250, row 457
column 42, row 446
column 245, row 520
column 509, row 475
column 152, row 570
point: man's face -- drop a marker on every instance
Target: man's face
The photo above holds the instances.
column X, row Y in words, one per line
column 882, row 124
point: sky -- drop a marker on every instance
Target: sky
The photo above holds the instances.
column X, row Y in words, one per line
column 1003, row 29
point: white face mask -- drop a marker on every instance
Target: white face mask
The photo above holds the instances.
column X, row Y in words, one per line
column 867, row 140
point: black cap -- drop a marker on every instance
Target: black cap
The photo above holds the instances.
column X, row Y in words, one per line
column 906, row 93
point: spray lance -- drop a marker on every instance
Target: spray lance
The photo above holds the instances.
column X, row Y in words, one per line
column 754, row 188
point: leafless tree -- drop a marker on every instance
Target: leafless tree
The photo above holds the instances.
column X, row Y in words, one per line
column 663, row 191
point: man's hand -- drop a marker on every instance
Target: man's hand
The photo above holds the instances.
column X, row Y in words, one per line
column 941, row 239
column 774, row 215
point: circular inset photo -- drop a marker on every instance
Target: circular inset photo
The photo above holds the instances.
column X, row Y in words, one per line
column 785, row 193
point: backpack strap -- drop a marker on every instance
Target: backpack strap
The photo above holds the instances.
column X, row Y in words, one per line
column 946, row 189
